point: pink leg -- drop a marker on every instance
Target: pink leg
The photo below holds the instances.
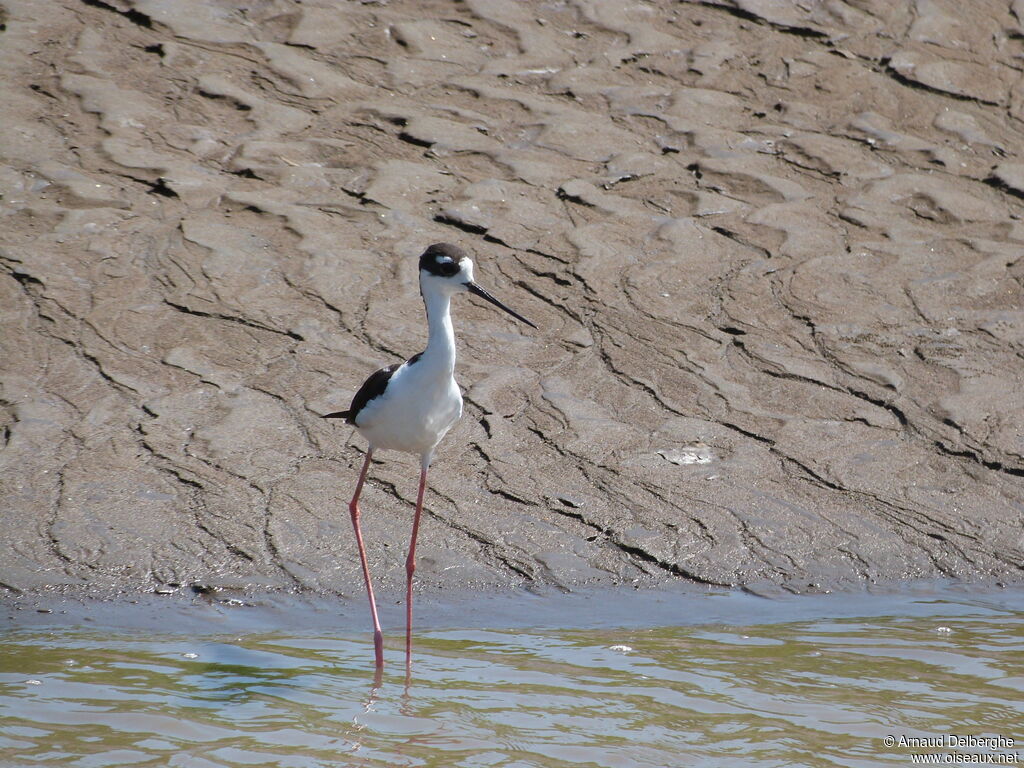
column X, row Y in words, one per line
column 353, row 508
column 410, row 567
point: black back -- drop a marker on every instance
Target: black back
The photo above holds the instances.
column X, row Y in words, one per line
column 442, row 259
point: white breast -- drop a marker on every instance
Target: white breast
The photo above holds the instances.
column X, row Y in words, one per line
column 419, row 406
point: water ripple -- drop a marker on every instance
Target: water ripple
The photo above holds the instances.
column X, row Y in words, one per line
column 815, row 693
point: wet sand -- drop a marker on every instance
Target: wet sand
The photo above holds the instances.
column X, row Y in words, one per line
column 774, row 255
column 670, row 604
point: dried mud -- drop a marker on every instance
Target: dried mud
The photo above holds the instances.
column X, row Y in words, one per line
column 774, row 251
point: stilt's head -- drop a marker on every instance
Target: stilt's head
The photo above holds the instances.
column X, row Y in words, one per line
column 445, row 268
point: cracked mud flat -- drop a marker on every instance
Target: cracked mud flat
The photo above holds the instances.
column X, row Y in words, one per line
column 774, row 251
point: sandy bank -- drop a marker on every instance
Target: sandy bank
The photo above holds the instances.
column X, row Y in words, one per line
column 775, row 260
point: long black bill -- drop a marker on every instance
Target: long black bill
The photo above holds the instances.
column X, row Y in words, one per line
column 476, row 289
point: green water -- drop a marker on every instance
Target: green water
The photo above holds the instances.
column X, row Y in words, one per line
column 808, row 692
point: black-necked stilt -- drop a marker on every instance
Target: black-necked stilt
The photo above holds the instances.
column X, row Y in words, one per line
column 410, row 406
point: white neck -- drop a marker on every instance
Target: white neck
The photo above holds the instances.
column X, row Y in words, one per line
column 440, row 349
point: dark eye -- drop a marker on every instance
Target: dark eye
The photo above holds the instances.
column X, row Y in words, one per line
column 447, row 267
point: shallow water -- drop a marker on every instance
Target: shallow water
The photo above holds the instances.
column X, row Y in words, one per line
column 814, row 692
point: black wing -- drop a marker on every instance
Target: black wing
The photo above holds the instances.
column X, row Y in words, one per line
column 372, row 388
